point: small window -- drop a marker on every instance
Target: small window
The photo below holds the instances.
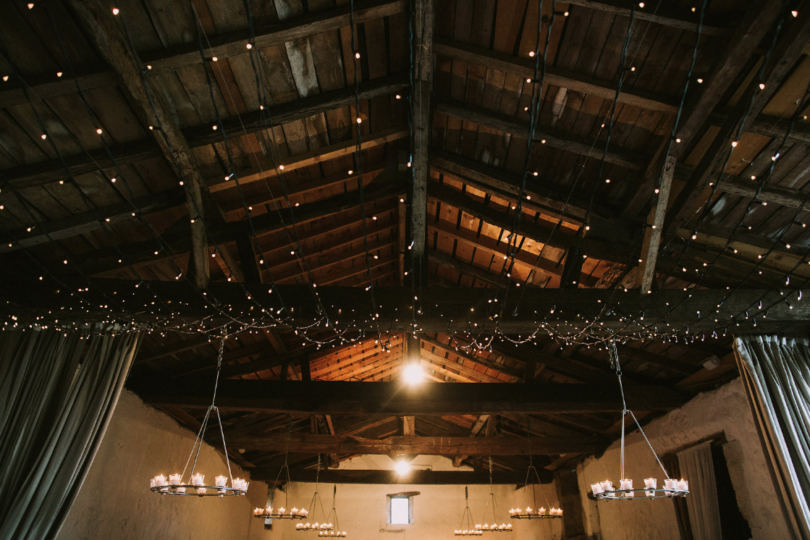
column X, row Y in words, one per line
column 400, row 511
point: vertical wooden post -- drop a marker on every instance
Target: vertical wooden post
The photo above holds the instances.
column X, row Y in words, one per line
column 652, row 236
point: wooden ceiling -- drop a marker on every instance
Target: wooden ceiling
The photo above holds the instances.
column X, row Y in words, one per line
column 121, row 143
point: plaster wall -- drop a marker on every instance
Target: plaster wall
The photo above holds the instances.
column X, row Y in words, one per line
column 437, row 510
column 115, row 501
column 723, row 410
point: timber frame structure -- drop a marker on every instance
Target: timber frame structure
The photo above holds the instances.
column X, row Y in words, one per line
column 145, row 180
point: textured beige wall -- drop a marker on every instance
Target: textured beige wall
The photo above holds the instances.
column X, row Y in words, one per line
column 115, row 501
column 437, row 509
column 722, row 410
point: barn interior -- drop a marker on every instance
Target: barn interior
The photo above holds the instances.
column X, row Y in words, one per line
column 300, row 228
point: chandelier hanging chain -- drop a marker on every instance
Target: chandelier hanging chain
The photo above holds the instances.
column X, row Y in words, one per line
column 196, row 484
column 605, row 490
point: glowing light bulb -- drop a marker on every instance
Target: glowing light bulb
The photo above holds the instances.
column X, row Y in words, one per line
column 402, row 467
column 413, row 374
column 115, row 11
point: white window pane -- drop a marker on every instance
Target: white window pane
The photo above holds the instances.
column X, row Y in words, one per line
column 399, row 510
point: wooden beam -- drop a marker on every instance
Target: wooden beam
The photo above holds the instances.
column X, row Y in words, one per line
column 553, row 138
column 551, row 236
column 474, row 359
column 423, row 77
column 447, row 310
column 415, row 477
column 652, row 14
column 100, row 25
column 649, row 253
column 45, row 172
column 787, row 52
column 524, row 68
column 542, row 266
column 445, row 446
column 675, row 366
column 142, row 252
column 770, row 193
column 225, row 45
column 439, row 399
column 747, row 37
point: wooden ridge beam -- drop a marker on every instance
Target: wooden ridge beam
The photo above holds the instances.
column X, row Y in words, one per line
column 226, row 45
column 445, row 446
column 399, row 399
column 524, row 68
column 547, row 235
column 415, row 477
column 45, row 172
column 489, row 364
column 422, row 115
column 553, row 137
column 673, row 20
column 447, row 310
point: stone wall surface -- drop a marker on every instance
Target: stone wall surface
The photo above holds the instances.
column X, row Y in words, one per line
column 724, row 410
column 115, row 501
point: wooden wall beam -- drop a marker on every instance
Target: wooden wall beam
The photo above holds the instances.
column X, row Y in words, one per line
column 662, row 17
column 423, row 77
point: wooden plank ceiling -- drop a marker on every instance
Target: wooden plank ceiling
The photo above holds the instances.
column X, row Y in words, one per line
column 89, row 186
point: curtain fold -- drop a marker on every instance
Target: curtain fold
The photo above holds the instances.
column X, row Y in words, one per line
column 681, row 509
column 697, row 465
column 776, row 375
column 57, row 395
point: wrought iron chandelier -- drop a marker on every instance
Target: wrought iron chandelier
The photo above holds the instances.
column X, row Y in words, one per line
column 316, row 501
column 333, row 532
column 467, row 527
column 606, row 491
column 196, row 486
column 503, row 527
column 529, row 512
column 283, row 512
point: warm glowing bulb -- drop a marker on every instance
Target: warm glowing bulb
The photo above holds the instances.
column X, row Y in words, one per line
column 531, row 53
column 734, row 144
column 359, row 120
column 115, row 11
column 402, row 467
column 413, row 374
column 249, row 46
column 98, row 131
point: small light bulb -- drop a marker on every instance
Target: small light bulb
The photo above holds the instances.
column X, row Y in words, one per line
column 762, row 86
column 531, row 53
column 359, row 120
column 678, row 141
column 398, row 96
column 794, row 13
column 112, row 179
column 115, row 11
column 734, row 144
column 528, row 80
column 58, row 73
column 98, row 131
column 44, row 136
column 214, row 127
column 350, row 171
column 565, row 14
column 31, row 6
column 641, row 5
column 700, row 81
column 536, row 173
column 249, row 46
column 5, row 78
column 281, row 167
column 214, row 59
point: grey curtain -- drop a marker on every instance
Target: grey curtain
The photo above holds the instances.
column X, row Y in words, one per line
column 57, row 395
column 776, row 374
column 697, row 465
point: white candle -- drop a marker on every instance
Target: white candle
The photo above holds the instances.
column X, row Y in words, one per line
column 541, row 512
column 201, row 491
column 181, row 490
column 174, row 479
column 683, row 485
column 198, row 479
column 596, row 488
column 220, row 481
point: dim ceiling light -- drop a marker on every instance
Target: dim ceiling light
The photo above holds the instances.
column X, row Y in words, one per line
column 413, row 374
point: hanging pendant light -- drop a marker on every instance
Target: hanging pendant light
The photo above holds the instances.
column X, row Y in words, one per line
column 333, row 517
column 467, row 526
column 196, row 486
column 316, row 501
column 606, row 490
column 283, row 512
column 503, row 527
column 534, row 513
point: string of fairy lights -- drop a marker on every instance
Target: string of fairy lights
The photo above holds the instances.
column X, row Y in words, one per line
column 224, row 321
